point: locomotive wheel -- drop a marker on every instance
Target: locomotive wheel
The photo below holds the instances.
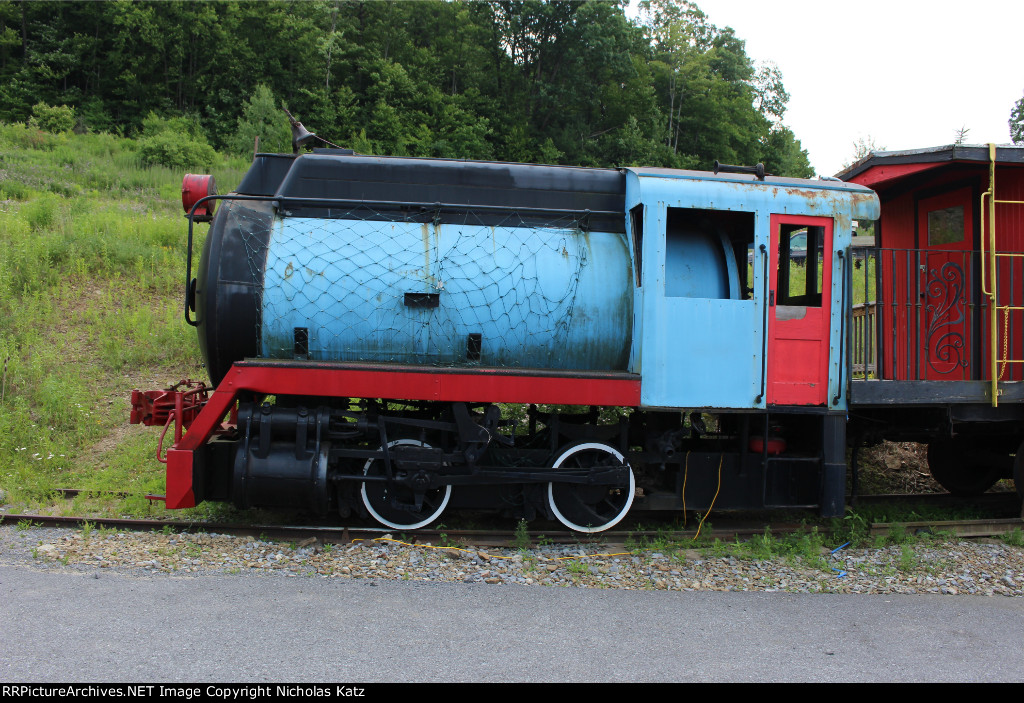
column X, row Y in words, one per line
column 590, row 508
column 961, row 468
column 377, row 497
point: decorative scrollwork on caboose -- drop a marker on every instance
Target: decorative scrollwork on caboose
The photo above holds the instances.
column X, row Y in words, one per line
column 946, row 348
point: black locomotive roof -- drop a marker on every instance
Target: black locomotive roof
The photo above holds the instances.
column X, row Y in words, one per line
column 388, row 182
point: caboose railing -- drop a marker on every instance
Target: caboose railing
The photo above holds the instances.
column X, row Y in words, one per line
column 921, row 315
column 863, row 338
column 864, row 347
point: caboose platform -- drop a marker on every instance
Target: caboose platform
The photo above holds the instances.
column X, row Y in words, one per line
column 873, row 392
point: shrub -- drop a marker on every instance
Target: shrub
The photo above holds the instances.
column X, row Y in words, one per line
column 50, row 118
column 186, row 126
column 14, row 190
column 40, row 213
column 177, row 143
column 176, row 152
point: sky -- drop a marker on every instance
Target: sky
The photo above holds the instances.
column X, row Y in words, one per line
column 906, row 74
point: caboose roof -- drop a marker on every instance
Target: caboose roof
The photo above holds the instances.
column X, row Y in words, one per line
column 880, row 168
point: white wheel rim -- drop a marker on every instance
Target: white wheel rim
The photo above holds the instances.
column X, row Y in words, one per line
column 622, row 513
column 398, row 526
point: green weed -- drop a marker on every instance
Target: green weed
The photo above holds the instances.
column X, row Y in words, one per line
column 1014, row 538
column 576, row 566
column 87, row 530
column 719, row 549
column 898, row 534
column 764, row 546
column 908, row 560
column 521, row 536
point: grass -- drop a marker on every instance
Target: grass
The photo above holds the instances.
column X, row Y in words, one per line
column 1014, row 538
column 92, row 252
column 812, row 546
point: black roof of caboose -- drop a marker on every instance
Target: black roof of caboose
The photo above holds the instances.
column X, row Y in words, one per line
column 979, row 153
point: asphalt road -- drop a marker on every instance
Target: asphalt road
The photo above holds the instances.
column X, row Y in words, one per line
column 100, row 626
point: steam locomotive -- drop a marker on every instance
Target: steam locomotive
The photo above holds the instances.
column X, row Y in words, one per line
column 397, row 337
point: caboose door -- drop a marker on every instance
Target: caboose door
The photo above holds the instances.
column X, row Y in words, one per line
column 799, row 315
column 945, row 240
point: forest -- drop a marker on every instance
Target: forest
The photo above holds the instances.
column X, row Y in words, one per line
column 581, row 83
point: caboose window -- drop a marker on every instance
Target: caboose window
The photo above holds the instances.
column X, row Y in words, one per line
column 946, row 226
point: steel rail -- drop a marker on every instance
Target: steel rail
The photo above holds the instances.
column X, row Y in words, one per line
column 985, row 500
column 500, row 538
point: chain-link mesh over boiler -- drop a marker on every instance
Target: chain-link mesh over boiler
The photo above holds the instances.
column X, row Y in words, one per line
column 515, row 292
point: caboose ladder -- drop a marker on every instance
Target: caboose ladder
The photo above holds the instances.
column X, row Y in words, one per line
column 997, row 361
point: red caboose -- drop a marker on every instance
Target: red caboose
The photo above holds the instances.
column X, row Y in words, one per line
column 938, row 320
column 949, row 282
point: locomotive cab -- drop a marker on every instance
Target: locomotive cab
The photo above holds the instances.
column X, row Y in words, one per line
column 760, row 322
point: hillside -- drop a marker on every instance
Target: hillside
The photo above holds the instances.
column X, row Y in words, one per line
column 92, row 258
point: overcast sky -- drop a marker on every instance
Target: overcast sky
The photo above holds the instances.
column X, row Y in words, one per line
column 907, row 73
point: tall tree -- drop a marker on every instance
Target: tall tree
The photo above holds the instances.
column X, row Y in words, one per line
column 783, row 155
column 560, row 81
column 261, row 118
column 1017, row 122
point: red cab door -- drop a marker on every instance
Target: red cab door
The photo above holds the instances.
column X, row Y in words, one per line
column 799, row 314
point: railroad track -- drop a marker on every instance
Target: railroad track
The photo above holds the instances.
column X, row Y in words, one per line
column 937, row 499
column 726, row 530
column 1006, row 503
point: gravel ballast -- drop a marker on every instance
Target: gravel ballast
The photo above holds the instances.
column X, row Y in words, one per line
column 985, row 567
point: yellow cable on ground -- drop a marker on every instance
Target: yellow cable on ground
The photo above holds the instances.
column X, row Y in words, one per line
column 686, row 471
column 713, row 499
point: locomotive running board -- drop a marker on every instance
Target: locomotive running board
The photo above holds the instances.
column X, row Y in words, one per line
column 444, row 384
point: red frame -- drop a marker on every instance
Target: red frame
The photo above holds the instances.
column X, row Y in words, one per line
column 377, row 381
